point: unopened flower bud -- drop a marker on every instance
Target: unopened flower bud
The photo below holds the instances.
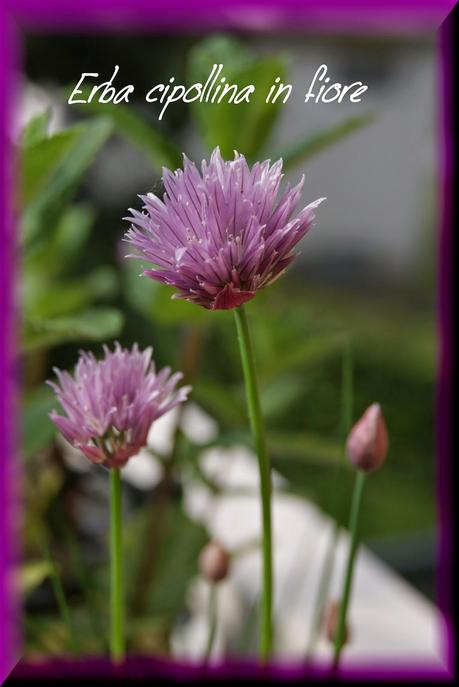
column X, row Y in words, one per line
column 331, row 622
column 214, row 561
column 368, row 442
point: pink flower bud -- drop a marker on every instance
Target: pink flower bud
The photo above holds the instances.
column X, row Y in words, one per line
column 331, row 622
column 368, row 442
column 214, row 562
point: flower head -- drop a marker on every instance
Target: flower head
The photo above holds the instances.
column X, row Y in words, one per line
column 220, row 235
column 110, row 404
column 368, row 441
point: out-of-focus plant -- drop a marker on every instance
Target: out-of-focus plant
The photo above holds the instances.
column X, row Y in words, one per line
column 57, row 307
column 366, row 448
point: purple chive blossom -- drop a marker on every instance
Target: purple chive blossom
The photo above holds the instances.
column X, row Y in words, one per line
column 220, row 235
column 110, row 404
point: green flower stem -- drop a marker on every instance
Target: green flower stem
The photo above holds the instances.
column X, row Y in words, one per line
column 258, row 431
column 347, row 588
column 116, row 569
column 212, row 610
column 347, row 401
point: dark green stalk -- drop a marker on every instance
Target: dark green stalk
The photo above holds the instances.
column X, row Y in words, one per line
column 347, row 588
column 117, row 648
column 258, row 431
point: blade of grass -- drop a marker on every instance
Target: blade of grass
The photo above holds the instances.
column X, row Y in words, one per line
column 62, row 603
column 320, row 140
column 340, row 634
column 85, row 581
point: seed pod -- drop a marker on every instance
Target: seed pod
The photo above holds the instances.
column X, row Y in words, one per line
column 368, row 442
column 214, row 562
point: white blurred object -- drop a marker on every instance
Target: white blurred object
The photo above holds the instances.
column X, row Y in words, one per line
column 34, row 100
column 143, row 471
column 197, row 425
column 73, row 458
column 161, row 435
column 389, row 619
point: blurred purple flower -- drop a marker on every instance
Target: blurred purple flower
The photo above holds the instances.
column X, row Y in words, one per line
column 219, row 237
column 110, row 404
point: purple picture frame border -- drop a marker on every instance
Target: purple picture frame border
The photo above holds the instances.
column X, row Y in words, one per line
column 329, row 16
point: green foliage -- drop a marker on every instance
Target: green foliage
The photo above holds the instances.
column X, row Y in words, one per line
column 67, row 159
column 61, row 246
column 32, row 575
column 36, row 129
column 159, row 150
column 41, row 160
column 175, row 558
column 154, row 300
column 94, row 324
column 314, row 143
column 244, row 127
column 37, row 428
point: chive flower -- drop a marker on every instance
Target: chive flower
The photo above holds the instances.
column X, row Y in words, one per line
column 220, row 235
column 110, row 404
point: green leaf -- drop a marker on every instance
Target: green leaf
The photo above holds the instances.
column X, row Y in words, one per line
column 140, row 291
column 96, row 324
column 315, row 143
column 32, row 574
column 43, row 301
column 159, row 150
column 245, row 126
column 154, row 300
column 37, row 428
column 220, row 401
column 59, row 248
column 71, row 234
column 50, row 202
column 176, row 557
column 36, row 129
column 169, row 311
column 41, row 159
column 315, row 350
column 280, row 394
column 304, row 447
column 217, row 49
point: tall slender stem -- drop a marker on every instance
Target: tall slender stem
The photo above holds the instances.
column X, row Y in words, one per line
column 347, row 398
column 347, row 588
column 212, row 614
column 116, row 569
column 258, row 431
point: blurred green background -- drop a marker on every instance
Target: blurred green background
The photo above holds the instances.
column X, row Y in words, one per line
column 82, row 167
